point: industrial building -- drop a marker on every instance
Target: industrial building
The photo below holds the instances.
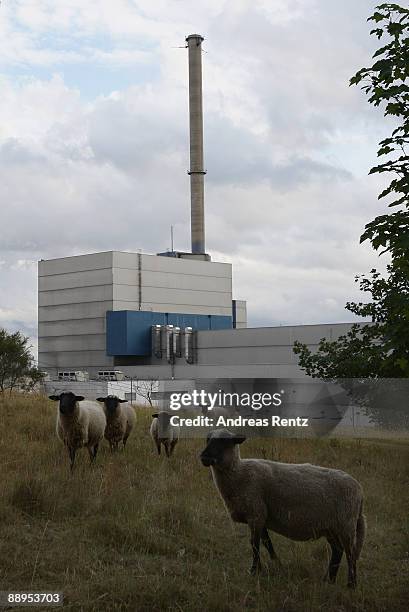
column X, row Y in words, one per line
column 96, row 311
column 165, row 316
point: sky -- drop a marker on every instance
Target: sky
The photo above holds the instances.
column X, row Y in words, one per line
column 94, row 144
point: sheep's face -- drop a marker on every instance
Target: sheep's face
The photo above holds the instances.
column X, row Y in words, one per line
column 220, row 448
column 163, row 422
column 111, row 403
column 68, row 401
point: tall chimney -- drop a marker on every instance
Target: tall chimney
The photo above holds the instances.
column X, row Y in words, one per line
column 196, row 172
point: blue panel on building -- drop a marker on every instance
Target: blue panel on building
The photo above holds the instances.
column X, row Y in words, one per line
column 129, row 331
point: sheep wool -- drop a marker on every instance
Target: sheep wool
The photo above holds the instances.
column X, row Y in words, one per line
column 163, row 433
column 299, row 501
column 120, row 420
column 79, row 423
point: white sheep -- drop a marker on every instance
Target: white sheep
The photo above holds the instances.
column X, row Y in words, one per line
column 120, row 420
column 299, row 501
column 162, row 432
column 79, row 423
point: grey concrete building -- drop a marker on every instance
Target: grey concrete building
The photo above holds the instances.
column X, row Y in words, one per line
column 75, row 294
column 78, row 294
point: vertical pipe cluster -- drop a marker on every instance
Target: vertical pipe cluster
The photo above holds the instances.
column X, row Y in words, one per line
column 196, row 172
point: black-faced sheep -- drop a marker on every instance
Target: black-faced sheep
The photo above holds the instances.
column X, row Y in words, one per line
column 162, row 432
column 120, row 420
column 299, row 501
column 79, row 423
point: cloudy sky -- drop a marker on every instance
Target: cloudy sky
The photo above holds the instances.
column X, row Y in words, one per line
column 94, row 143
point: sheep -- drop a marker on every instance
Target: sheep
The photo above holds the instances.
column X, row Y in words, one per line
column 79, row 423
column 120, row 420
column 299, row 501
column 162, row 432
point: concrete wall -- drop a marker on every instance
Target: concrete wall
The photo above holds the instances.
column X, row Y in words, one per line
column 166, row 284
column 90, row 389
column 241, row 314
column 265, row 352
column 74, row 294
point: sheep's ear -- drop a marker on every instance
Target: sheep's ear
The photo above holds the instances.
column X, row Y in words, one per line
column 122, row 401
column 55, row 398
column 239, row 439
column 155, row 416
column 101, row 399
column 79, row 398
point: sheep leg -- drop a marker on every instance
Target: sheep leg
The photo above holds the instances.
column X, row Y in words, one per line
column 352, row 581
column 172, row 446
column 94, row 456
column 71, row 452
column 124, row 440
column 265, row 538
column 255, row 545
column 167, row 449
column 360, row 534
column 335, row 561
column 158, row 447
column 349, row 545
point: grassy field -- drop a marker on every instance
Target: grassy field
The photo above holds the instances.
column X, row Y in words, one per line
column 138, row 532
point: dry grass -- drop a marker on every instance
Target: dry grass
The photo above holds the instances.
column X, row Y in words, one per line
column 138, row 532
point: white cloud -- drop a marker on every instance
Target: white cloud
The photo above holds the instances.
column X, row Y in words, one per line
column 288, row 144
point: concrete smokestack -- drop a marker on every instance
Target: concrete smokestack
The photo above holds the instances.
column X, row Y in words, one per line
column 196, row 172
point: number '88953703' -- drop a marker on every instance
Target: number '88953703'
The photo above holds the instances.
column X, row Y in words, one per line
column 27, row 598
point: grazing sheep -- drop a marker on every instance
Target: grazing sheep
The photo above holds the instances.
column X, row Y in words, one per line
column 162, row 432
column 299, row 501
column 79, row 423
column 120, row 420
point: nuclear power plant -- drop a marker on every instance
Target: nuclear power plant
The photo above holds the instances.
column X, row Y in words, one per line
column 173, row 315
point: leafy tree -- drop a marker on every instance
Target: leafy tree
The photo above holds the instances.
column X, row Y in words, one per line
column 387, row 82
column 380, row 349
column 17, row 368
